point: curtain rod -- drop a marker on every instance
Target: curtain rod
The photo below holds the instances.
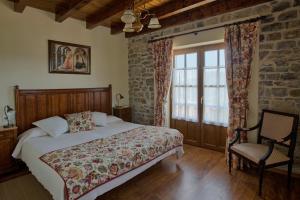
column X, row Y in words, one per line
column 252, row 19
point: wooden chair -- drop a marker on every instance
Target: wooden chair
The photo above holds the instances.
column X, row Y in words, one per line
column 274, row 128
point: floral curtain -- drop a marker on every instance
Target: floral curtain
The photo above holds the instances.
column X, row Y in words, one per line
column 240, row 42
column 162, row 55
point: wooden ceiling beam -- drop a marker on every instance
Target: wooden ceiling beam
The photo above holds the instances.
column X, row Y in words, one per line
column 19, row 5
column 65, row 11
column 113, row 8
column 167, row 10
column 209, row 10
column 177, row 6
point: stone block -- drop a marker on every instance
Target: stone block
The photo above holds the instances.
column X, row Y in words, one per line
column 279, row 92
column 295, row 93
column 212, row 21
column 200, row 24
column 288, row 15
column 286, row 45
column 266, row 68
column 295, row 67
column 292, row 24
column 272, row 27
column 268, row 19
column 272, row 76
column 225, row 17
column 274, row 36
column 288, row 76
column 281, row 5
column 292, row 34
column 266, row 46
column 263, row 54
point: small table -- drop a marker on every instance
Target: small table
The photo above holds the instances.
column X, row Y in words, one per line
column 8, row 140
column 123, row 113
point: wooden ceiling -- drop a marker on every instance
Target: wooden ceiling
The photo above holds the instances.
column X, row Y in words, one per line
column 108, row 12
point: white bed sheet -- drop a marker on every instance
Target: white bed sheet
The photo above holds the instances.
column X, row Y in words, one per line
column 36, row 147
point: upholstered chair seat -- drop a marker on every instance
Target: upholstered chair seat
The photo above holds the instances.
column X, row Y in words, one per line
column 274, row 128
column 255, row 152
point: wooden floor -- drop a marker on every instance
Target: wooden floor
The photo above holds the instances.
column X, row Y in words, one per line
column 200, row 174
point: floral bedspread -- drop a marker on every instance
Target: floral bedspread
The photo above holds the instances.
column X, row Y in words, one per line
column 86, row 166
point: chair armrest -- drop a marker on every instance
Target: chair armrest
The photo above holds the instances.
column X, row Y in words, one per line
column 238, row 134
column 237, row 137
column 250, row 129
column 269, row 152
column 286, row 138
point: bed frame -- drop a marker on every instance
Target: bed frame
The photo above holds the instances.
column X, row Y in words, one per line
column 33, row 105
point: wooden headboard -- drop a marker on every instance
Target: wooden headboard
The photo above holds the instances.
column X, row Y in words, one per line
column 33, row 105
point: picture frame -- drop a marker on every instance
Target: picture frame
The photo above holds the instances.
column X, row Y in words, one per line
column 69, row 58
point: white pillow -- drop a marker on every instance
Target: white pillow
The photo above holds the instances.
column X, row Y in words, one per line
column 99, row 118
column 54, row 126
column 31, row 133
column 112, row 119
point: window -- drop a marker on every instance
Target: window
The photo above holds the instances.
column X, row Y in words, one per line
column 215, row 97
column 200, row 70
column 185, row 87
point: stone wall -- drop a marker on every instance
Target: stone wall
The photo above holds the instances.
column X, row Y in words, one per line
column 279, row 60
column 279, row 85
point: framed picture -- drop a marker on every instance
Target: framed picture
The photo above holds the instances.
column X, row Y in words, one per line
column 69, row 58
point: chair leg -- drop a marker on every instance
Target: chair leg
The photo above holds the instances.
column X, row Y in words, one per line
column 239, row 167
column 261, row 176
column 290, row 167
column 229, row 161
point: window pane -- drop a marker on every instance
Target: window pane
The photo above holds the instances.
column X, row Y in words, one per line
column 192, row 104
column 192, row 77
column 210, row 96
column 211, row 58
column 223, row 106
column 179, row 61
column 223, row 97
column 179, row 78
column 191, row 60
column 210, row 107
column 178, row 101
column 222, row 58
column 222, row 76
column 210, row 76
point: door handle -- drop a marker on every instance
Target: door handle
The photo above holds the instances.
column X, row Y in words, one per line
column 201, row 100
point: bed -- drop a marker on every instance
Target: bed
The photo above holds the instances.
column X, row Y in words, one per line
column 108, row 143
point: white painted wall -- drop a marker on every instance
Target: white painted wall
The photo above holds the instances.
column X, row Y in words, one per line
column 24, row 53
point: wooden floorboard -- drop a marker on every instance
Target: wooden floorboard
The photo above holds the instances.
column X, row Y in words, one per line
column 200, row 174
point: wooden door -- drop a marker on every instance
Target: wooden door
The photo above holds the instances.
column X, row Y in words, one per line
column 186, row 75
column 214, row 97
column 205, row 131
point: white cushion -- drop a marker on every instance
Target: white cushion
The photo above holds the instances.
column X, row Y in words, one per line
column 100, row 118
column 54, row 126
column 255, row 152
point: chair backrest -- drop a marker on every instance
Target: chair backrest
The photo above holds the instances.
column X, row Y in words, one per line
column 278, row 125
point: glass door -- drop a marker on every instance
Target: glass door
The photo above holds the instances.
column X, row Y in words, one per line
column 185, row 115
column 199, row 102
column 215, row 98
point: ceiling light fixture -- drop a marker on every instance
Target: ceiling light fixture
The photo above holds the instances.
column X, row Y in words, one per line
column 134, row 18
